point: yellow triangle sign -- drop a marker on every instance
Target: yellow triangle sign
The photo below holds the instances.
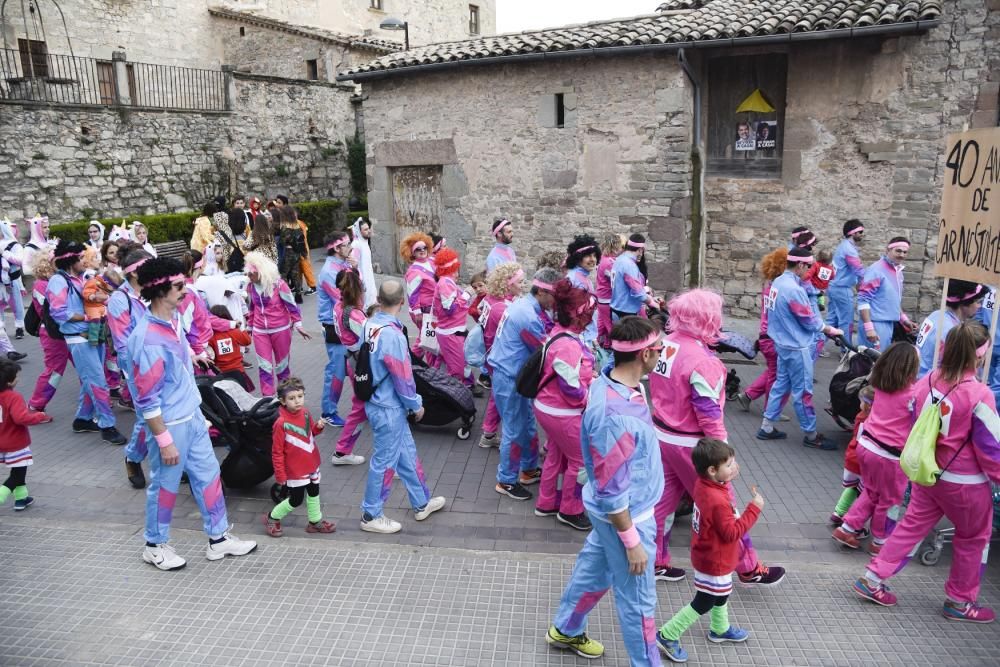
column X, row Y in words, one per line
column 755, row 102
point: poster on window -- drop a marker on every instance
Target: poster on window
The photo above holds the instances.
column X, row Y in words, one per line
column 767, row 134
column 745, row 140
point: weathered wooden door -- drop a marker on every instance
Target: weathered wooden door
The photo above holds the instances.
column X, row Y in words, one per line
column 416, row 203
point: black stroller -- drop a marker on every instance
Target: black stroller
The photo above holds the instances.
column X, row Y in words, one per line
column 243, row 423
column 445, row 398
column 848, row 380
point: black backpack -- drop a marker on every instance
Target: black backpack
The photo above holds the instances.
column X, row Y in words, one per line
column 364, row 387
column 51, row 326
column 32, row 321
column 529, row 378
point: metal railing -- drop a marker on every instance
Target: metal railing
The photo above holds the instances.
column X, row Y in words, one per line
column 73, row 80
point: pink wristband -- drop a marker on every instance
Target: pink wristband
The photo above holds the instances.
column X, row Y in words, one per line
column 630, row 537
column 869, row 327
column 164, row 439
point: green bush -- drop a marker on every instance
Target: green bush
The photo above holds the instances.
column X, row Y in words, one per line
column 356, row 163
column 323, row 217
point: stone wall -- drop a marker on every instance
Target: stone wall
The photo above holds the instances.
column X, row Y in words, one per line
column 284, row 137
column 621, row 163
column 265, row 51
column 865, row 122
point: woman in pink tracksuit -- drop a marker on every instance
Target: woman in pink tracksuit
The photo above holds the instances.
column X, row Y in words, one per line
column 567, row 370
column 504, row 284
column 451, row 310
column 880, row 444
column 272, row 316
column 611, row 247
column 688, row 393
column 55, row 351
column 420, row 283
column 968, row 453
column 772, row 266
column 349, row 323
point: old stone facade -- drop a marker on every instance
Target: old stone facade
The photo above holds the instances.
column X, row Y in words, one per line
column 451, row 151
column 283, row 137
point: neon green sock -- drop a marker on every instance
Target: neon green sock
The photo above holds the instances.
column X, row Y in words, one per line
column 312, row 509
column 20, row 492
column 4, row 494
column 282, row 509
column 678, row 625
column 847, row 499
column 719, row 619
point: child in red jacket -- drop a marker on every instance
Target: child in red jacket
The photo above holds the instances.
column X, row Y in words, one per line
column 226, row 343
column 296, row 460
column 15, row 443
column 716, row 531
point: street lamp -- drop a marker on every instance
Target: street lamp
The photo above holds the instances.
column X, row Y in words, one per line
column 397, row 24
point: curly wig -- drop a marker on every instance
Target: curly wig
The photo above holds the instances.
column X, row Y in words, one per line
column 504, row 282
column 446, row 262
column 266, row 269
column 773, row 264
column 406, row 245
column 697, row 313
column 574, row 306
column 581, row 246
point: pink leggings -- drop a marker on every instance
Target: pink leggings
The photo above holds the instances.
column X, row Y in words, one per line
column 604, row 325
column 56, row 354
column 453, row 356
column 491, row 421
column 762, row 385
column 970, row 508
column 882, row 486
column 356, row 419
column 273, row 354
column 563, row 457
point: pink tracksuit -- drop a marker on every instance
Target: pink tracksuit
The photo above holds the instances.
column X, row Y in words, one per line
column 880, row 442
column 603, row 292
column 969, row 453
column 688, row 393
column 350, row 336
column 56, row 354
column 271, row 318
column 762, row 385
column 566, row 376
column 451, row 310
column 195, row 320
column 491, row 311
column 421, row 284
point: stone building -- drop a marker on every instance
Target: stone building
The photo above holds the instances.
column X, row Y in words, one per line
column 712, row 126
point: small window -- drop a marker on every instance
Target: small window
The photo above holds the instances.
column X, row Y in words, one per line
column 560, row 110
column 34, row 57
column 746, row 114
column 243, row 31
column 376, row 4
column 473, row 19
column 106, row 81
column 312, row 69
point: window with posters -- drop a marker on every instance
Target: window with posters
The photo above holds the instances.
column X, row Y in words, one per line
column 745, row 114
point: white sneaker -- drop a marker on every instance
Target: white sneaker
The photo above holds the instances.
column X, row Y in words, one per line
column 230, row 546
column 433, row 505
column 489, row 440
column 382, row 524
column 347, row 460
column 163, row 557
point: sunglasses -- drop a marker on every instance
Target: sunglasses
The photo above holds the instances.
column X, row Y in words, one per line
column 656, row 348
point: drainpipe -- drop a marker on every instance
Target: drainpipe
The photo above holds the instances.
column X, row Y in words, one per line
column 697, row 247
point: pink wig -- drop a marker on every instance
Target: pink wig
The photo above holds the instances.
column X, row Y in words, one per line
column 697, row 313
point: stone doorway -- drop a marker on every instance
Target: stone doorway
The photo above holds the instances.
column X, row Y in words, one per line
column 416, row 203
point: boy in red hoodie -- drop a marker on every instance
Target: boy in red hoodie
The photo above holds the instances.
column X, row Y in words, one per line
column 15, row 443
column 296, row 459
column 226, row 343
column 716, row 531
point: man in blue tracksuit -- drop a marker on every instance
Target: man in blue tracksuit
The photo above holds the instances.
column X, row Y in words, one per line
column 964, row 300
column 523, row 328
column 848, row 272
column 338, row 250
column 793, row 324
column 880, row 297
column 628, row 285
column 393, row 449
column 621, row 456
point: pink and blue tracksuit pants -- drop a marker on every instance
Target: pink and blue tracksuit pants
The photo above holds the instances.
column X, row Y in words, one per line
column 393, row 452
column 840, row 310
column 56, row 356
column 355, row 421
column 795, row 377
column 196, row 459
column 138, row 443
column 601, row 565
column 16, row 301
column 274, row 351
column 883, row 484
column 333, row 377
column 519, row 444
column 679, row 477
column 564, row 456
column 762, row 385
column 452, row 355
column 604, row 325
column 970, row 508
column 94, row 402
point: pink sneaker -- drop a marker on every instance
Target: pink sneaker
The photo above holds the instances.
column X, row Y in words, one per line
column 967, row 611
column 879, row 593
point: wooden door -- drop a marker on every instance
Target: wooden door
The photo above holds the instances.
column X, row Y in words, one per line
column 416, row 203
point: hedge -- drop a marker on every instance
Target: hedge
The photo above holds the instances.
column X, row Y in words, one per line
column 322, row 216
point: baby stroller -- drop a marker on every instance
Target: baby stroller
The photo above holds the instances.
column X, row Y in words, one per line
column 244, row 424
column 445, row 398
column 849, row 378
column 930, row 552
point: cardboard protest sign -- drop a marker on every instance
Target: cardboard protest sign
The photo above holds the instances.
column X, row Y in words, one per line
column 969, row 226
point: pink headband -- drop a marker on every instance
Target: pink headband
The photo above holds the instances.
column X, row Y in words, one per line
column 336, row 244
column 982, row 349
column 589, row 303
column 583, row 250
column 516, row 278
column 167, row 279
column 548, row 287
column 200, row 263
column 448, row 265
column 503, row 223
column 809, row 259
column 975, row 292
column 68, row 255
column 635, row 244
column 898, row 244
column 636, row 345
column 796, row 235
column 440, row 244
column 856, row 230
column 135, row 267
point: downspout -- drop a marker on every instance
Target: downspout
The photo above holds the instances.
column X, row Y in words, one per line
column 696, row 240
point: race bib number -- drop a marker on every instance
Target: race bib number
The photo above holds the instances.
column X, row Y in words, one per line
column 225, row 346
column 990, row 300
column 925, row 331
column 484, row 313
column 825, row 273
column 667, row 357
column 771, row 299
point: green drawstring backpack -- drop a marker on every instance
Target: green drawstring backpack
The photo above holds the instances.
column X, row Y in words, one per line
column 919, row 461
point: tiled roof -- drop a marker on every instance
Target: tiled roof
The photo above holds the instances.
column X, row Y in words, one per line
column 321, row 34
column 677, row 22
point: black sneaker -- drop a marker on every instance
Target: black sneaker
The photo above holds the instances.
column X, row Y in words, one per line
column 478, row 391
column 763, row 576
column 485, row 381
column 115, row 393
column 16, row 356
column 819, row 442
column 18, row 333
column 515, row 491
column 575, row 521
column 135, row 475
column 669, row 573
column 85, row 426
column 111, row 436
column 543, row 512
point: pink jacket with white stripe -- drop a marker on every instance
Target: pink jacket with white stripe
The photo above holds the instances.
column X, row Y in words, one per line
column 890, row 419
column 567, row 371
column 451, row 306
column 688, row 392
